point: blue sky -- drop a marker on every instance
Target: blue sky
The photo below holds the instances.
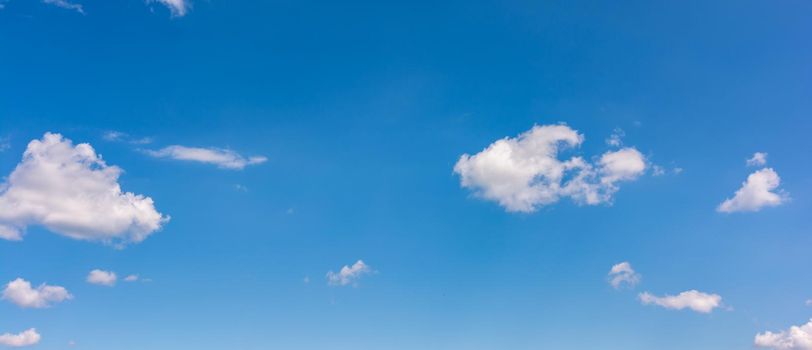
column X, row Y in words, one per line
column 281, row 141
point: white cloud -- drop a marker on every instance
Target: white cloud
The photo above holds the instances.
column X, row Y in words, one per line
column 524, row 173
column 348, row 274
column 622, row 274
column 756, row 193
column 101, row 277
column 131, row 278
column 26, row 338
column 758, row 159
column 223, row 158
column 71, row 191
column 20, row 292
column 65, row 5
column 616, row 139
column 796, row 338
column 177, row 7
column 692, row 299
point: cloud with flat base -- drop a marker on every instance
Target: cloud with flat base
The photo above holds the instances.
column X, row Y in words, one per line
column 70, row 190
column 692, row 300
column 525, row 173
column 795, row 338
column 21, row 293
column 26, row 338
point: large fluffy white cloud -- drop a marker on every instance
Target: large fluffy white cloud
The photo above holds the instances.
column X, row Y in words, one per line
column 348, row 274
column 71, row 191
column 796, row 338
column 757, row 192
column 222, row 158
column 692, row 299
column 102, row 278
column 20, row 292
column 25, row 338
column 525, row 172
column 622, row 274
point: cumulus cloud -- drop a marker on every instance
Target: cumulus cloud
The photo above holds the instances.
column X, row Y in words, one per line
column 758, row 159
column 102, row 278
column 348, row 274
column 756, row 193
column 622, row 274
column 524, row 173
column 20, row 292
column 26, row 338
column 692, row 299
column 222, row 158
column 71, row 191
column 66, row 5
column 796, row 338
column 178, row 8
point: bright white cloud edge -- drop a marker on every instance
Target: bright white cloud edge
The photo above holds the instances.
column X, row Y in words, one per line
column 795, row 338
column 21, row 293
column 26, row 338
column 692, row 299
column 758, row 192
column 222, row 158
column 71, row 191
column 348, row 275
column 525, row 173
column 622, row 274
column 178, row 8
column 102, row 278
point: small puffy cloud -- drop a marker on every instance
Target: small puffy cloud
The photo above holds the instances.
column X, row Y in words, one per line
column 622, row 274
column 222, row 158
column 758, row 159
column 26, row 338
column 102, row 278
column 131, row 278
column 525, row 173
column 348, row 274
column 71, row 191
column 21, row 293
column 616, row 139
column 178, row 8
column 66, row 5
column 623, row 165
column 692, row 299
column 756, row 193
column 795, row 338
